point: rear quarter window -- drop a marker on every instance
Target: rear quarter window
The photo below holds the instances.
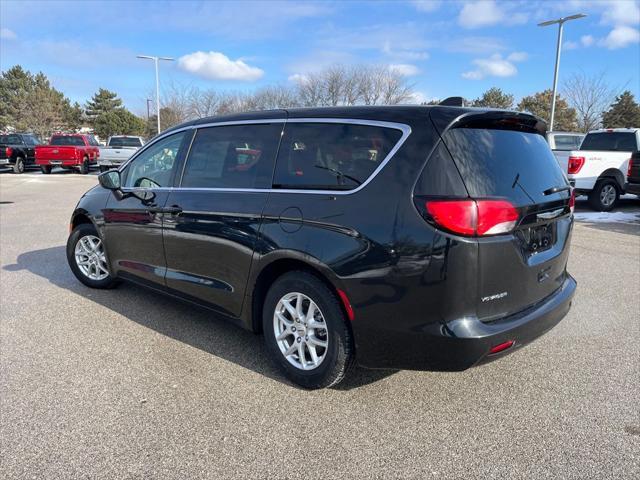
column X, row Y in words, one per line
column 331, row 156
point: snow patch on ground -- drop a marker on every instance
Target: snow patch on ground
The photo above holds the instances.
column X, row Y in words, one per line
column 608, row 217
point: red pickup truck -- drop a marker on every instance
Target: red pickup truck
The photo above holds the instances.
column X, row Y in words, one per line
column 68, row 151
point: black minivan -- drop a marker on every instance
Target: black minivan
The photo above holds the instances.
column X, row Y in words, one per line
column 408, row 237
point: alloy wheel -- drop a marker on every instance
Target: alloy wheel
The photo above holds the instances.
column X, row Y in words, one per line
column 300, row 331
column 90, row 258
column 608, row 195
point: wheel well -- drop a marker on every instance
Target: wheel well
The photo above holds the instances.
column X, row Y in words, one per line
column 615, row 174
column 269, row 275
column 79, row 219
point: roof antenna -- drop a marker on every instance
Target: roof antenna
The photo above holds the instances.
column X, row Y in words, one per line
column 452, row 102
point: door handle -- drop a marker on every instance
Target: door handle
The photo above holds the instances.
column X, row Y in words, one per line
column 172, row 210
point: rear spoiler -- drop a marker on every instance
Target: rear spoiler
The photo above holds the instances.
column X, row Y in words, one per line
column 445, row 119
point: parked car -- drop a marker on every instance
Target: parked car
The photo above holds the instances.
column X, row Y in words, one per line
column 17, row 150
column 562, row 143
column 119, row 148
column 598, row 169
column 69, row 151
column 633, row 175
column 397, row 237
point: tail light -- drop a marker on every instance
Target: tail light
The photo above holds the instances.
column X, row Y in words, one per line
column 8, row 151
column 572, row 200
column 629, row 167
column 575, row 164
column 473, row 217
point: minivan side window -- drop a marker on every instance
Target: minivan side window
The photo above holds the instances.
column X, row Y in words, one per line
column 331, row 156
column 232, row 156
column 153, row 167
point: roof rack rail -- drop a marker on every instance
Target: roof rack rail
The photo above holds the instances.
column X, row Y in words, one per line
column 452, row 102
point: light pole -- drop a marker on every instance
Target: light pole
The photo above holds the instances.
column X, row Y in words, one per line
column 560, row 22
column 156, row 59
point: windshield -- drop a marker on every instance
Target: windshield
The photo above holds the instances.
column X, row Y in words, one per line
column 66, row 140
column 610, row 141
column 125, row 142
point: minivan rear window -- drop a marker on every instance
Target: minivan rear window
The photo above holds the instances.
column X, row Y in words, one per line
column 331, row 156
column 610, row 141
column 508, row 164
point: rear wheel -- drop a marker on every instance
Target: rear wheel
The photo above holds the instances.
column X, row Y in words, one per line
column 102, row 168
column 18, row 167
column 84, row 166
column 46, row 169
column 306, row 331
column 605, row 195
column 87, row 259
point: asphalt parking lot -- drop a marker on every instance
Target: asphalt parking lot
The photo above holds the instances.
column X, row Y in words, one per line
column 129, row 384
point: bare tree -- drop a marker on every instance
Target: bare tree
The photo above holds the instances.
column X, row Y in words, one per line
column 271, row 97
column 589, row 96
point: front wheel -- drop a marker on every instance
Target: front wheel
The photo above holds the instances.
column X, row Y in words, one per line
column 18, row 167
column 605, row 195
column 306, row 331
column 46, row 169
column 87, row 259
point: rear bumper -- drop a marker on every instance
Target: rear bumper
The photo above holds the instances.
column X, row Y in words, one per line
column 633, row 188
column 105, row 162
column 58, row 163
column 463, row 343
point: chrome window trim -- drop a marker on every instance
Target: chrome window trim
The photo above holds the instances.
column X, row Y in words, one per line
column 404, row 128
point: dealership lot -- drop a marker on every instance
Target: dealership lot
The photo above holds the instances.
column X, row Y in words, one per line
column 129, row 384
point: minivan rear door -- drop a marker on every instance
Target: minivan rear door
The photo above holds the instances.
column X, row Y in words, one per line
column 503, row 155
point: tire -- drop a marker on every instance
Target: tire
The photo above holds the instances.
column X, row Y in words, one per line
column 84, row 166
column 46, row 169
column 102, row 168
column 335, row 359
column 605, row 195
column 18, row 167
column 86, row 234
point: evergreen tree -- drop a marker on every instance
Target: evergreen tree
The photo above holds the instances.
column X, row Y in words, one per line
column 494, row 98
column 624, row 112
column 540, row 104
column 103, row 101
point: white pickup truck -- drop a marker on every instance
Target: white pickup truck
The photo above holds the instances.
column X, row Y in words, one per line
column 562, row 143
column 598, row 169
column 118, row 150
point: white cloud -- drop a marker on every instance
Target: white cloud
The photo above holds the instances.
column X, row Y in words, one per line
column 621, row 12
column 494, row 66
column 480, row 14
column 6, row 34
column 570, row 45
column 484, row 13
column 620, row 37
column 418, row 98
column 297, row 77
column 518, row 56
column 217, row 66
column 427, row 5
column 587, row 40
column 404, row 69
column 477, row 45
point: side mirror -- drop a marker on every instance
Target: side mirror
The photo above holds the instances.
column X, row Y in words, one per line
column 110, row 180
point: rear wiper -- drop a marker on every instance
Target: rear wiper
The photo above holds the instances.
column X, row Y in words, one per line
column 339, row 173
column 562, row 188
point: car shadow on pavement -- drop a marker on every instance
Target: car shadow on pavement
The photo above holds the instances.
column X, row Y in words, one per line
column 182, row 321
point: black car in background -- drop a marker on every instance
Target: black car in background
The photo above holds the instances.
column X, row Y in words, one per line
column 17, row 150
column 633, row 175
column 397, row 237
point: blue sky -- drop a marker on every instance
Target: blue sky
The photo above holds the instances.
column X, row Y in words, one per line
column 444, row 47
